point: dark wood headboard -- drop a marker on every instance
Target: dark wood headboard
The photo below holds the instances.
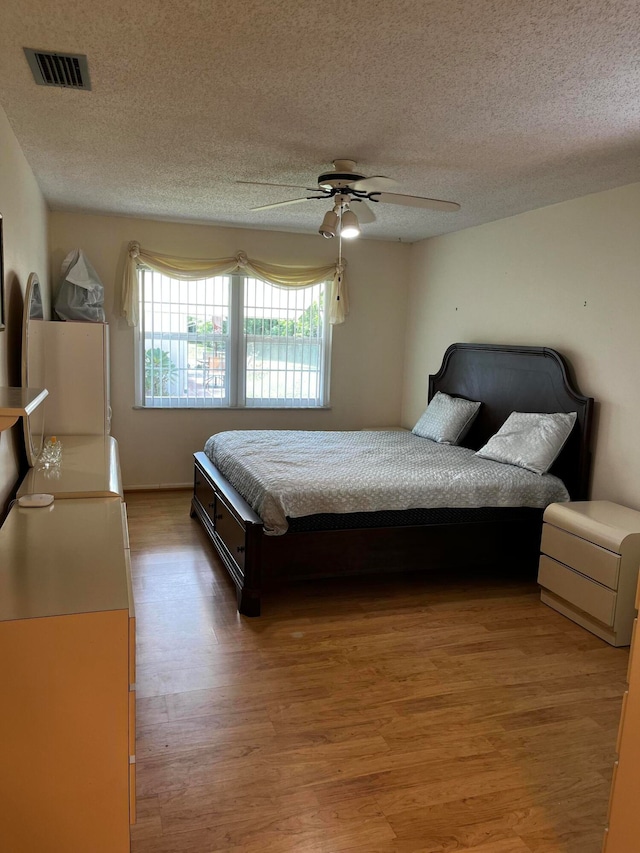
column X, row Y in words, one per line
column 519, row 379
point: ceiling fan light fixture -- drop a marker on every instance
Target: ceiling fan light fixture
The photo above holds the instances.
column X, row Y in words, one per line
column 329, row 227
column 350, row 227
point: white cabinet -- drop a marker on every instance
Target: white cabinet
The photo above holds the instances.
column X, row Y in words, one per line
column 76, row 374
column 589, row 565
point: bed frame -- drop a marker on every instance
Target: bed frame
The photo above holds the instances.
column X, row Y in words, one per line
column 505, row 379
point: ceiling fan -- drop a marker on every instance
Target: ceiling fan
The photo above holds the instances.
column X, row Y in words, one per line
column 350, row 189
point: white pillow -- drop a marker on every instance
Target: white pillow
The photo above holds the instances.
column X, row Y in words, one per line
column 446, row 419
column 530, row 440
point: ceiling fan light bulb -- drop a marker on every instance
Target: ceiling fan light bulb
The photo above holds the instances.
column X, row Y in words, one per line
column 329, row 225
column 350, row 226
column 350, row 233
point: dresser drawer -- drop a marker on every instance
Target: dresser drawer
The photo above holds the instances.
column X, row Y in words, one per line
column 586, row 557
column 132, row 722
column 132, row 620
column 132, row 650
column 590, row 597
column 611, row 793
column 132, row 790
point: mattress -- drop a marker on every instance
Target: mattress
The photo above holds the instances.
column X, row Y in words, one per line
column 288, row 474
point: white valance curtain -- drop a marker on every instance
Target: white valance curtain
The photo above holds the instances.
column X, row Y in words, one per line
column 190, row 269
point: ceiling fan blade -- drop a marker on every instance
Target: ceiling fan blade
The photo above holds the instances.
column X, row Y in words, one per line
column 362, row 211
column 376, row 183
column 284, row 186
column 419, row 201
column 279, row 204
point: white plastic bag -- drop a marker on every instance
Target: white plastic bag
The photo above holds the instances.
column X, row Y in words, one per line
column 81, row 293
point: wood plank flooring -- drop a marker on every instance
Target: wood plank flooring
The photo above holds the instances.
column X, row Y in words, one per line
column 399, row 715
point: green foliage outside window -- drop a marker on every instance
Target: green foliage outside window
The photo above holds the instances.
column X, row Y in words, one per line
column 159, row 372
column 308, row 325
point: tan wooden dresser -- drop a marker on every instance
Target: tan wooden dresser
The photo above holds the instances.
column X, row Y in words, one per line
column 623, row 831
column 67, row 668
column 90, row 468
column 589, row 565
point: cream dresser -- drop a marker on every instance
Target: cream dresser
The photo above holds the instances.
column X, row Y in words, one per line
column 67, row 663
column 67, row 660
column 89, row 468
column 623, row 830
column 589, row 565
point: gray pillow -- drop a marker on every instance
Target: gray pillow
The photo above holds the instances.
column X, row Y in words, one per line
column 530, row 440
column 446, row 419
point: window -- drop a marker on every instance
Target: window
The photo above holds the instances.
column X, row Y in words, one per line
column 231, row 340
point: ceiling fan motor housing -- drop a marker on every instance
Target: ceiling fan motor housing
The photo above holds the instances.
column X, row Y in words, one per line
column 342, row 176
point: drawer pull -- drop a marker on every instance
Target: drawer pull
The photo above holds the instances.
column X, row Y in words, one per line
column 218, row 516
column 240, row 549
column 210, row 506
column 198, row 483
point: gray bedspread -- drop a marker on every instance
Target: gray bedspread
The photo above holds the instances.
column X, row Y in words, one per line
column 295, row 473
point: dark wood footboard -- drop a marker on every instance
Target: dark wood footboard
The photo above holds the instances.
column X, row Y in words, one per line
column 234, row 529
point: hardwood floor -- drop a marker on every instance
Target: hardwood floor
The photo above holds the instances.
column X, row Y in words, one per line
column 388, row 716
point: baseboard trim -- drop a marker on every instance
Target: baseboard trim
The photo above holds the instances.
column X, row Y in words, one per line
column 165, row 487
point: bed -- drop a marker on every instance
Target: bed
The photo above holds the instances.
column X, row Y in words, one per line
column 451, row 538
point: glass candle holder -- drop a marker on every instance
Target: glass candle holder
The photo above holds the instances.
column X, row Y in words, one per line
column 51, row 453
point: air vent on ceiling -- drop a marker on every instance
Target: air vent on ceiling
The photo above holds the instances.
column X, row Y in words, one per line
column 69, row 70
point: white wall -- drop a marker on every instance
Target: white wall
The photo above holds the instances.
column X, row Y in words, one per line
column 24, row 215
column 156, row 447
column 566, row 277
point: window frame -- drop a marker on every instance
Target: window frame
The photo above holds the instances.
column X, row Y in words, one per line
column 237, row 352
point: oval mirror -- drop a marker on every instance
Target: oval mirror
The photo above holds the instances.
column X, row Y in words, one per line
column 33, row 364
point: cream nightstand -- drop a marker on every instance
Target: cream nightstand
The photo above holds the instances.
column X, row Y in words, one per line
column 589, row 565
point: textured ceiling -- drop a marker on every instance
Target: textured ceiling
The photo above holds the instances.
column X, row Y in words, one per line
column 500, row 105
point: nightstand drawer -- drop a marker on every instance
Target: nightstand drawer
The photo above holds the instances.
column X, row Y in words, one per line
column 586, row 557
column 590, row 597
